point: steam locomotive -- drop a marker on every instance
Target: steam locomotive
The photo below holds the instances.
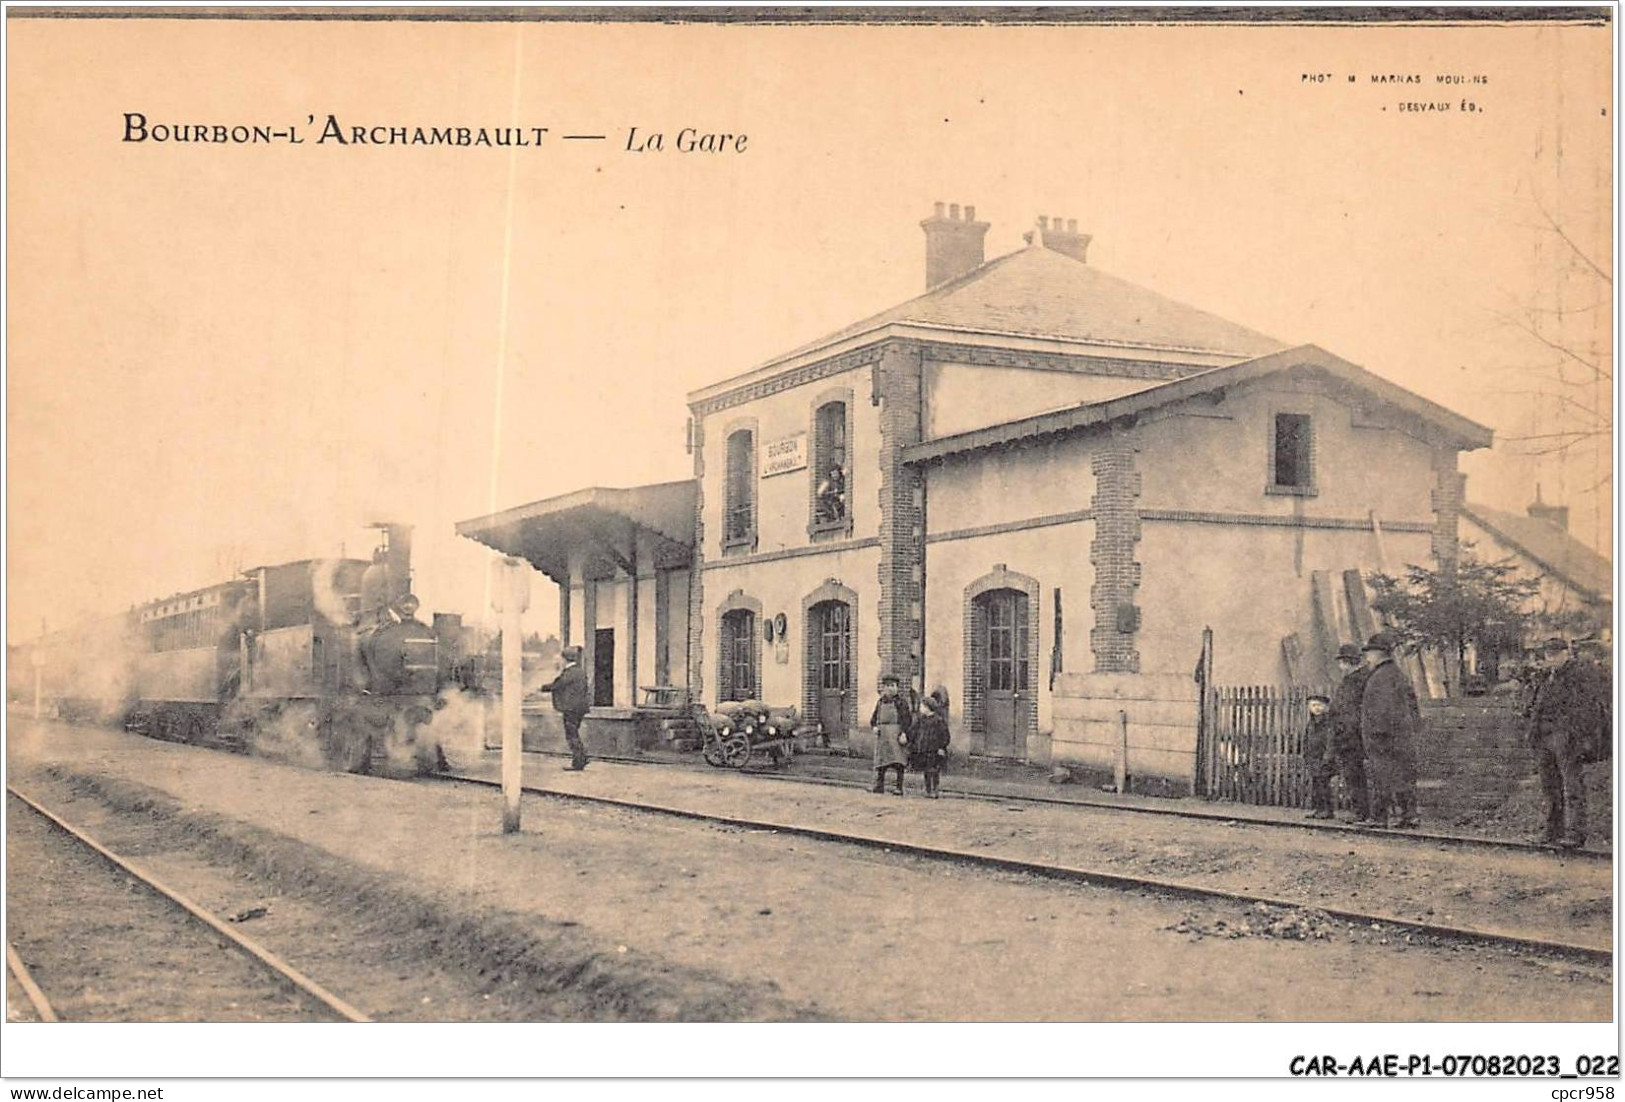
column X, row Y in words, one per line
column 322, row 661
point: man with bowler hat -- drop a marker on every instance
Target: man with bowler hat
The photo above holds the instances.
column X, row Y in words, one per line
column 572, row 695
column 1389, row 722
column 1347, row 747
column 1570, row 724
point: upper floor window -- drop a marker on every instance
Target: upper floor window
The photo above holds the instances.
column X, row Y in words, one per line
column 1293, row 454
column 830, row 467
column 739, row 500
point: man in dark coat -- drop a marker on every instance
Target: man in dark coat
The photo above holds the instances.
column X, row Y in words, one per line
column 1347, row 746
column 1570, row 724
column 572, row 695
column 1389, row 723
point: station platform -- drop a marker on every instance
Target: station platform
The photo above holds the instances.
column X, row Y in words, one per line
column 985, row 777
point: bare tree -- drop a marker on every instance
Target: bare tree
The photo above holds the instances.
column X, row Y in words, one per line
column 1569, row 381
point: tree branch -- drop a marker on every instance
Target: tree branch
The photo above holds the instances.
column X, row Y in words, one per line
column 1569, row 241
column 1595, row 368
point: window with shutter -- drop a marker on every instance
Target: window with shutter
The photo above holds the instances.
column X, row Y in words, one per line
column 739, row 504
column 1292, row 453
column 830, row 469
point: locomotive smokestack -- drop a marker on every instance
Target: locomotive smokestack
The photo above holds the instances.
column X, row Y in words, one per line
column 399, row 558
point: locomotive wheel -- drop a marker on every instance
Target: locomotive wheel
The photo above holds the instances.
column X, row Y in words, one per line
column 736, row 752
column 345, row 748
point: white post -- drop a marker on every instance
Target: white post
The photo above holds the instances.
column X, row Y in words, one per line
column 1121, row 770
column 510, row 595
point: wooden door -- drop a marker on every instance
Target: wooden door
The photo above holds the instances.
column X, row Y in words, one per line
column 1006, row 674
column 603, row 668
column 832, row 620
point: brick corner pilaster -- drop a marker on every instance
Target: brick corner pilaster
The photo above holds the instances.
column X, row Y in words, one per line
column 1117, row 573
column 1449, row 492
column 901, row 635
column 696, row 578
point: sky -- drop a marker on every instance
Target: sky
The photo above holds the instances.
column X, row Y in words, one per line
column 220, row 356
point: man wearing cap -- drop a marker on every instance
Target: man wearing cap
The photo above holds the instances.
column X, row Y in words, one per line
column 1347, row 747
column 891, row 722
column 572, row 695
column 1570, row 724
column 1389, row 722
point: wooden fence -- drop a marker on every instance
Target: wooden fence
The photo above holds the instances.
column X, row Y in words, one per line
column 1251, row 745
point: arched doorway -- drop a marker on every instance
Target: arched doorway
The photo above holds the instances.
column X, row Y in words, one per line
column 1001, row 656
column 831, row 625
column 738, row 651
column 1006, row 672
column 829, row 615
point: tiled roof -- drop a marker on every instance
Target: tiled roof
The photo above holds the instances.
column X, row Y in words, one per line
column 1039, row 292
column 1087, row 415
column 1551, row 547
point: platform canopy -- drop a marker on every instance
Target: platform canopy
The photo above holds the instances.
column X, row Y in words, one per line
column 597, row 527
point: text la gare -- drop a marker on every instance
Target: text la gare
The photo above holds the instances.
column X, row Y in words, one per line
column 688, row 140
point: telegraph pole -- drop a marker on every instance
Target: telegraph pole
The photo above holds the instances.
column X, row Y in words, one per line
column 510, row 596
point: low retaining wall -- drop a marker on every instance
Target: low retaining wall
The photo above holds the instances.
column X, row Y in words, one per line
column 604, row 731
column 1471, row 757
column 1160, row 711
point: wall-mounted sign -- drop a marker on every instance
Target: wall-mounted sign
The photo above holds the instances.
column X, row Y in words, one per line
column 786, row 454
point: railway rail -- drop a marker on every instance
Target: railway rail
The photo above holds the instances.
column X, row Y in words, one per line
column 1415, row 837
column 1071, row 873
column 36, row 998
column 270, row 962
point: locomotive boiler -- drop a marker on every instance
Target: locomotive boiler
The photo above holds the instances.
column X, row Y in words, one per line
column 320, row 661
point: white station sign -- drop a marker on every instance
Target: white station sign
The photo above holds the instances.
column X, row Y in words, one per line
column 786, row 454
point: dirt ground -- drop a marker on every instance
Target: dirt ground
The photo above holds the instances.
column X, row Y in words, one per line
column 1534, row 894
column 850, row 933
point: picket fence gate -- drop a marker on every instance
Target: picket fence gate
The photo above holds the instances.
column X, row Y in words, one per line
column 1252, row 745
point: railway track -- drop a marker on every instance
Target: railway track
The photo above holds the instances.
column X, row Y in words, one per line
column 1076, row 874
column 1414, row 837
column 267, row 961
column 43, row 1011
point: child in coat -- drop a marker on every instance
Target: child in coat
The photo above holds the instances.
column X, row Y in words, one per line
column 929, row 740
column 1320, row 756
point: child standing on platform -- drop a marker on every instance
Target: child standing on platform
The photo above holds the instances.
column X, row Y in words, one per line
column 930, row 740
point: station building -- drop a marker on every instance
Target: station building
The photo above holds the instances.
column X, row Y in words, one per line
column 1035, row 484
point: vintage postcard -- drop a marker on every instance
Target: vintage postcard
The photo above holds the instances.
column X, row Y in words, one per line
column 849, row 515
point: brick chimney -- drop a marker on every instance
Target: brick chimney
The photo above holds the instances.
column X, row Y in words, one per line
column 953, row 244
column 1064, row 238
column 1551, row 514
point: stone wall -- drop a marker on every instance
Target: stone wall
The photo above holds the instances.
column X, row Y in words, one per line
column 1471, row 757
